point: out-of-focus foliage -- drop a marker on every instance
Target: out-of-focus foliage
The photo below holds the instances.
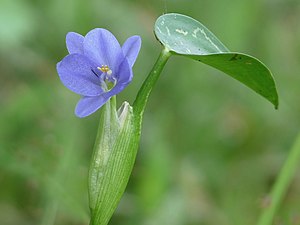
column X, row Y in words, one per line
column 206, row 156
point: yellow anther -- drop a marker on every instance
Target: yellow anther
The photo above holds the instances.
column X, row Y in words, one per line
column 105, row 69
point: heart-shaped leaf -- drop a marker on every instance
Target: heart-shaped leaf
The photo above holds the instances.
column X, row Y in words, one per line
column 186, row 36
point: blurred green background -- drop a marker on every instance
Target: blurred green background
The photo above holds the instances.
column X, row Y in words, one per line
column 211, row 148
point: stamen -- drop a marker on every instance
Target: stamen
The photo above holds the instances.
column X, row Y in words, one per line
column 109, row 72
column 105, row 69
column 94, row 73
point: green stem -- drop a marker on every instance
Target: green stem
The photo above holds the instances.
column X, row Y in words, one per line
column 144, row 92
column 281, row 185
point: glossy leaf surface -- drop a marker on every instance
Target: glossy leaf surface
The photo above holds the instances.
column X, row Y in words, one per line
column 183, row 35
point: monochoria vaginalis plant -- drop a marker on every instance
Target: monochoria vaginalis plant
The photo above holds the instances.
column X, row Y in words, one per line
column 98, row 68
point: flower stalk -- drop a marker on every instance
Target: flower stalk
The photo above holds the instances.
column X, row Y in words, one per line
column 144, row 92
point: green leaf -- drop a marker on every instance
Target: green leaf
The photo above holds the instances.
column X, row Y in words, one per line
column 183, row 35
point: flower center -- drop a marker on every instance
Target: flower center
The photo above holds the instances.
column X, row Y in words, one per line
column 105, row 69
column 107, row 80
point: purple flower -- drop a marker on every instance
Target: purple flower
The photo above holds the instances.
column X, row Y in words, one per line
column 97, row 67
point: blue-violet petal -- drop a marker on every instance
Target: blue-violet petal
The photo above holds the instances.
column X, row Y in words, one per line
column 102, row 47
column 88, row 105
column 74, row 43
column 124, row 75
column 131, row 49
column 123, row 80
column 75, row 72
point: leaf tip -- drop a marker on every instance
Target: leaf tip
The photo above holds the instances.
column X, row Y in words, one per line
column 276, row 103
column 274, row 99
